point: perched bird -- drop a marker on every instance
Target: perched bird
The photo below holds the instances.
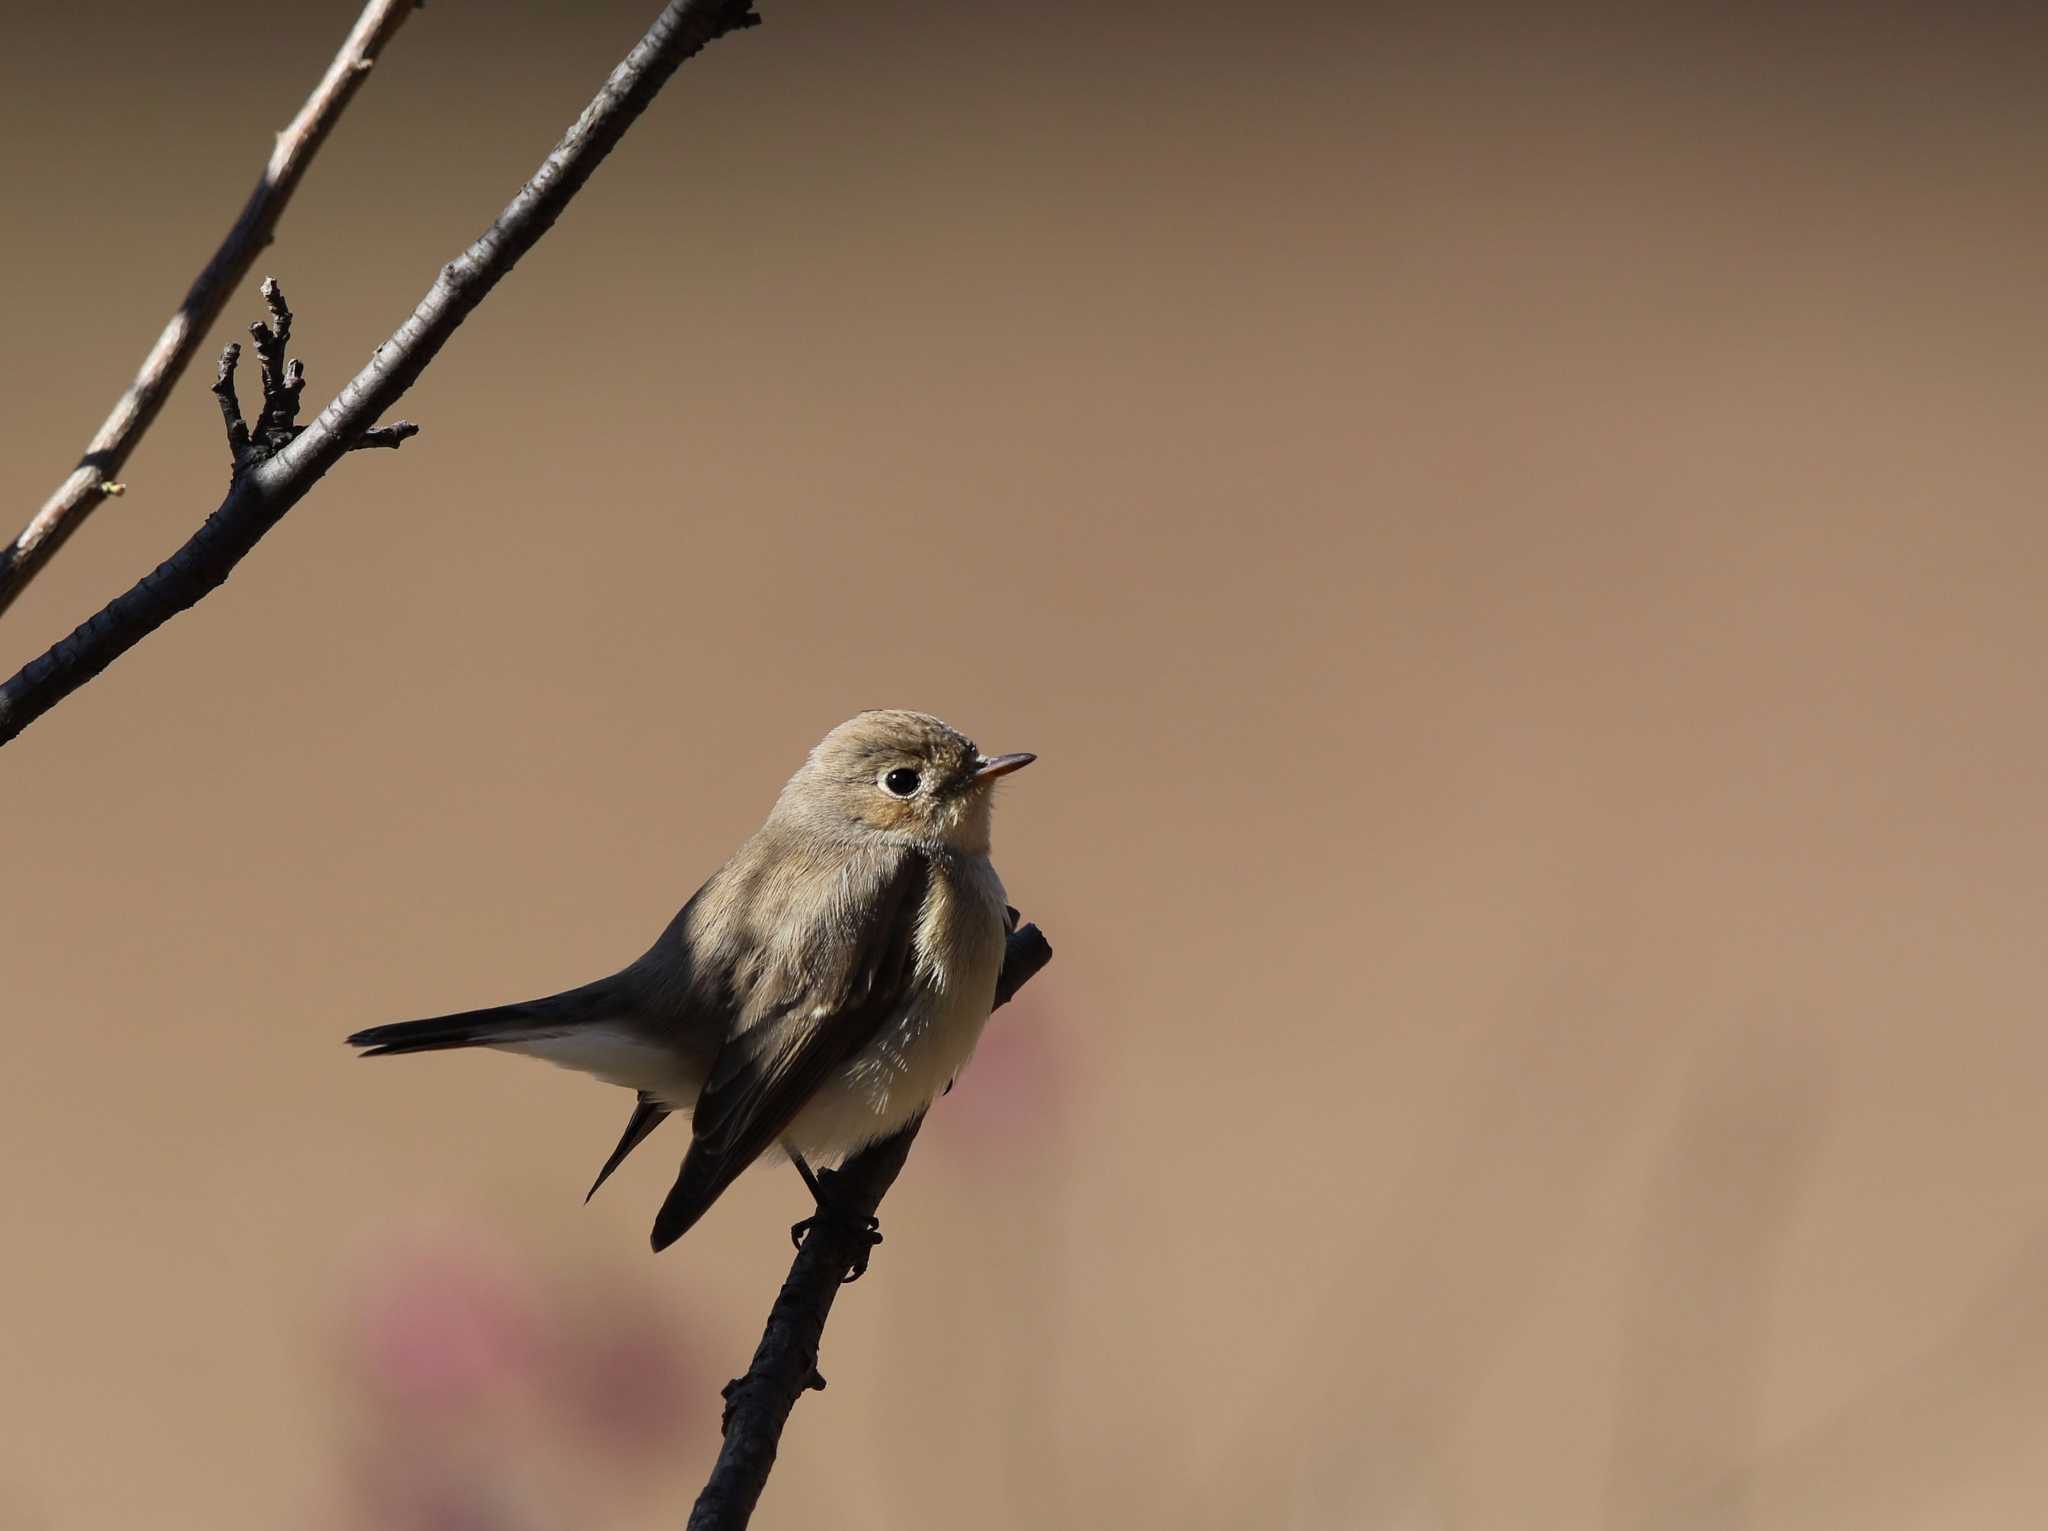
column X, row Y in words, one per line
column 817, row 992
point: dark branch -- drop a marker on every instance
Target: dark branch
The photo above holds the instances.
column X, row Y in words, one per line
column 93, row 479
column 393, row 435
column 262, row 496
column 280, row 383
column 277, row 425
column 785, row 1364
column 230, row 405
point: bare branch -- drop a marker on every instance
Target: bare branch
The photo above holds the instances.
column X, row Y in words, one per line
column 92, row 480
column 394, row 435
column 277, row 425
column 785, row 1364
column 230, row 405
column 281, row 384
column 261, row 497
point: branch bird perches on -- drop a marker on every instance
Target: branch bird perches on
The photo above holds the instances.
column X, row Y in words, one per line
column 785, row 1364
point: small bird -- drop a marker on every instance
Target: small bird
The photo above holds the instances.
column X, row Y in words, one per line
column 817, row 993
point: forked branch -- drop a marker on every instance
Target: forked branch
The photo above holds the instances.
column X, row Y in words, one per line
column 277, row 424
column 262, row 495
column 97, row 475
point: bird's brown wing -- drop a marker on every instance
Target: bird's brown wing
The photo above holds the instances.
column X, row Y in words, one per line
column 856, row 980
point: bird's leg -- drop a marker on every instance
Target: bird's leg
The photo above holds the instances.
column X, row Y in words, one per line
column 867, row 1231
column 804, row 1169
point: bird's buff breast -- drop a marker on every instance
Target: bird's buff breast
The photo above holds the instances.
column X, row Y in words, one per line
column 913, row 1058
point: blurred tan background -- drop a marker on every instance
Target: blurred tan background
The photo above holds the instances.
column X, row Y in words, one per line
column 1518, row 540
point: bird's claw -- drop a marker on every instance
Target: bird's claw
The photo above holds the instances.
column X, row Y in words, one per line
column 867, row 1230
column 864, row 1228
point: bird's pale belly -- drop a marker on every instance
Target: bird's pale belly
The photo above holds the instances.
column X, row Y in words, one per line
column 889, row 1081
column 912, row 1059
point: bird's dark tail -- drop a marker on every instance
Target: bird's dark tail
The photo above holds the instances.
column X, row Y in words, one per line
column 470, row 1028
column 533, row 1020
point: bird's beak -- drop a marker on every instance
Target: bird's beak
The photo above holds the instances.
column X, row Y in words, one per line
column 1000, row 765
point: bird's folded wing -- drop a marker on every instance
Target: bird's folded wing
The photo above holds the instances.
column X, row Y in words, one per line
column 802, row 1026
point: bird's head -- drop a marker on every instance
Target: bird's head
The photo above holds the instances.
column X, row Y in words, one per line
column 903, row 774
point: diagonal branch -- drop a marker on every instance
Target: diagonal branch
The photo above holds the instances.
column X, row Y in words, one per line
column 785, row 1365
column 260, row 497
column 94, row 479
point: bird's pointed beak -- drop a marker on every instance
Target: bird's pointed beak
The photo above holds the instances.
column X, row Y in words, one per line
column 990, row 768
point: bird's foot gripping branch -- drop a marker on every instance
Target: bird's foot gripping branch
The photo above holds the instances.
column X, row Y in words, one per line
column 277, row 423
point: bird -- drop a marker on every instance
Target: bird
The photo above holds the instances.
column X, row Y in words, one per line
column 816, row 994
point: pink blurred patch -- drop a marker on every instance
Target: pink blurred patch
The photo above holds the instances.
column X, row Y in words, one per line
column 1015, row 1090
column 440, row 1327
column 624, row 1380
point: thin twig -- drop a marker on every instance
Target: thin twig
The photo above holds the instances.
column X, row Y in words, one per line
column 230, row 405
column 785, row 1365
column 393, row 435
column 93, row 479
column 277, row 423
column 280, row 385
column 260, row 497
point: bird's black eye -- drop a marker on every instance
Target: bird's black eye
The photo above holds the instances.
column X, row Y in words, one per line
column 902, row 782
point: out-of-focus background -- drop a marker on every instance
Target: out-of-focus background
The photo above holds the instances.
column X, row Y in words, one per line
column 1517, row 537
